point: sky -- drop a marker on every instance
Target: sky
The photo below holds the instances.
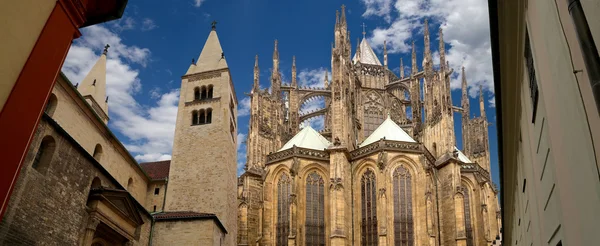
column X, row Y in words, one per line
column 154, row 42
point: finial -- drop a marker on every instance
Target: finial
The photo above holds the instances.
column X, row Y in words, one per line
column 256, row 61
column 106, row 99
column 76, row 85
column 275, row 44
column 293, row 61
column 193, row 61
column 214, row 25
column 364, row 30
column 105, row 49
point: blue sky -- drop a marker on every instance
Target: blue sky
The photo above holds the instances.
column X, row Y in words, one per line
column 153, row 45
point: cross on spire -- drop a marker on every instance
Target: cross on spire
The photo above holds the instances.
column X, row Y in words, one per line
column 214, row 24
column 364, row 31
column 105, row 49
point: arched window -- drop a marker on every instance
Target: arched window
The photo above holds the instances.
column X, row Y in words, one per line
column 283, row 210
column 403, row 213
column 315, row 210
column 201, row 117
column 194, row 117
column 98, row 152
column 467, row 206
column 209, row 116
column 368, row 192
column 196, row 93
column 210, row 92
column 96, row 183
column 51, row 105
column 42, row 159
column 203, row 92
column 130, row 184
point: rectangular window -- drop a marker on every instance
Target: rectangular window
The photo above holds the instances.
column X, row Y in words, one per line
column 156, row 191
column 524, row 184
column 154, row 208
column 232, row 129
column 533, row 86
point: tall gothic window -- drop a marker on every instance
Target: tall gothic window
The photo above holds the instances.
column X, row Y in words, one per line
column 373, row 112
column 368, row 192
column 467, row 206
column 283, row 210
column 315, row 210
column 403, row 213
column 203, row 92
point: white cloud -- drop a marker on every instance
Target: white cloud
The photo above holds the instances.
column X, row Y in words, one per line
column 241, row 152
column 244, row 107
column 313, row 77
column 241, row 137
column 123, row 24
column 492, row 102
column 149, row 129
column 466, row 29
column 148, row 24
column 378, row 8
column 197, row 3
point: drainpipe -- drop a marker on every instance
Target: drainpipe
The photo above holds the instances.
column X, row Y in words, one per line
column 588, row 48
column 165, row 198
column 151, row 230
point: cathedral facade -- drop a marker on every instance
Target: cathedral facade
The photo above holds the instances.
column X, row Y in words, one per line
column 384, row 170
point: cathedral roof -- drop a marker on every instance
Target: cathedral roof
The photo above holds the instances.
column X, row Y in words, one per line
column 307, row 138
column 388, row 130
column 367, row 56
column 462, row 157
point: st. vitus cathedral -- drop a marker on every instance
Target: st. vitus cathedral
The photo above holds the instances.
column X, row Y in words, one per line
column 383, row 171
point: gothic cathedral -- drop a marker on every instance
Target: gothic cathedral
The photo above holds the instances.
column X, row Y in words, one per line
column 383, row 171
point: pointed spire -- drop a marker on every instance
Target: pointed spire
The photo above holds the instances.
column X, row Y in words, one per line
column 401, row 68
column 211, row 58
column 94, row 83
column 427, row 51
column 364, row 31
column 294, row 84
column 442, row 50
column 343, row 18
column 385, row 56
column 256, row 74
column 481, row 102
column 275, row 58
column 326, row 80
column 357, row 50
column 414, row 59
column 465, row 95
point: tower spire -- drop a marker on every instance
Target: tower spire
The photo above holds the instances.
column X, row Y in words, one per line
column 481, row 102
column 401, row 68
column 343, row 18
column 414, row 59
column 385, row 56
column 256, row 74
column 275, row 76
column 93, row 86
column 294, row 84
column 442, row 50
column 427, row 56
column 326, row 80
column 465, row 96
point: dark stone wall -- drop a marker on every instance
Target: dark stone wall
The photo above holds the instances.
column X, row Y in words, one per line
column 49, row 207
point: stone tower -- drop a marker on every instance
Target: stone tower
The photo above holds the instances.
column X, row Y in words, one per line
column 438, row 132
column 203, row 166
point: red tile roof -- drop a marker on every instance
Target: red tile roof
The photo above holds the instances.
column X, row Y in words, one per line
column 158, row 170
column 187, row 215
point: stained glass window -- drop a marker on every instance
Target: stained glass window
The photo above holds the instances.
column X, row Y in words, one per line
column 403, row 214
column 368, row 225
column 468, row 227
column 283, row 210
column 315, row 210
